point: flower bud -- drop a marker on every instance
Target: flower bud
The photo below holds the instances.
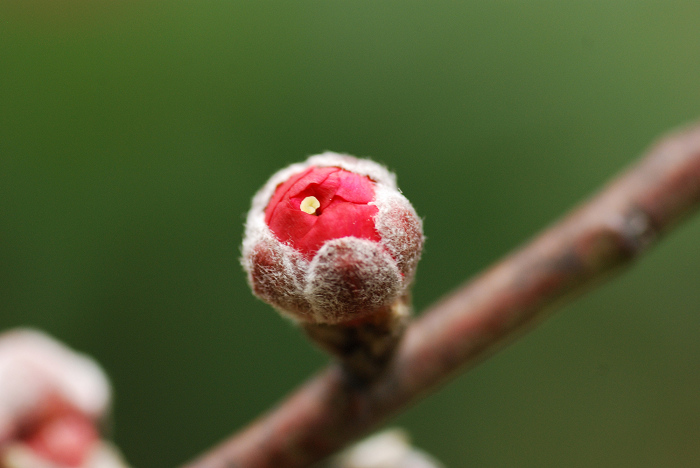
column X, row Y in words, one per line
column 51, row 401
column 388, row 449
column 331, row 240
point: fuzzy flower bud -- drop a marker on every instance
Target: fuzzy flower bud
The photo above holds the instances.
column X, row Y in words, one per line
column 388, row 449
column 51, row 401
column 331, row 240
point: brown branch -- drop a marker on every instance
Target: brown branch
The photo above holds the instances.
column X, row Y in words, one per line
column 607, row 232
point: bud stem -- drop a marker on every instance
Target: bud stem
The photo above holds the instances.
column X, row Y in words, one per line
column 366, row 346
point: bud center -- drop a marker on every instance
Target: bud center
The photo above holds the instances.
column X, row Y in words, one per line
column 309, row 205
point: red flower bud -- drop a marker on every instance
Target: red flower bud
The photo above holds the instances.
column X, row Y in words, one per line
column 331, row 240
column 51, row 399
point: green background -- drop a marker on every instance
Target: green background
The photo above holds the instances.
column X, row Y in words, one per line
column 133, row 134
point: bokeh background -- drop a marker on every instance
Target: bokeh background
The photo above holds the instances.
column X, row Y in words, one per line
column 133, row 134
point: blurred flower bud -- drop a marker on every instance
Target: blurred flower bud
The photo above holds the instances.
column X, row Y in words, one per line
column 388, row 449
column 51, row 401
column 331, row 240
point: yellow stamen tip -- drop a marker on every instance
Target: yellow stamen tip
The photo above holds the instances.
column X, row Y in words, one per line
column 309, row 205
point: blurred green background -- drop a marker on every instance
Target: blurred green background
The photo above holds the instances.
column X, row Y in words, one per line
column 133, row 134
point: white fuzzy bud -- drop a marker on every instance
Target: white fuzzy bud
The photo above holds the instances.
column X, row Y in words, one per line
column 388, row 449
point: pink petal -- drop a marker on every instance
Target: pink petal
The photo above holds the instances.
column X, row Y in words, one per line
column 66, row 440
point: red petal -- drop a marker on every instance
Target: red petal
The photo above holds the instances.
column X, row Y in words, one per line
column 354, row 188
column 343, row 210
column 340, row 219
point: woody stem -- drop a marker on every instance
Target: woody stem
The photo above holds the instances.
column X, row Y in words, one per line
column 609, row 231
column 364, row 348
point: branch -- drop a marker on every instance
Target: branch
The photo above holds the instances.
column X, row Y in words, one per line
column 607, row 232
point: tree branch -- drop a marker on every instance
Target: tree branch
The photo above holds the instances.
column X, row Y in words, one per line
column 605, row 233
